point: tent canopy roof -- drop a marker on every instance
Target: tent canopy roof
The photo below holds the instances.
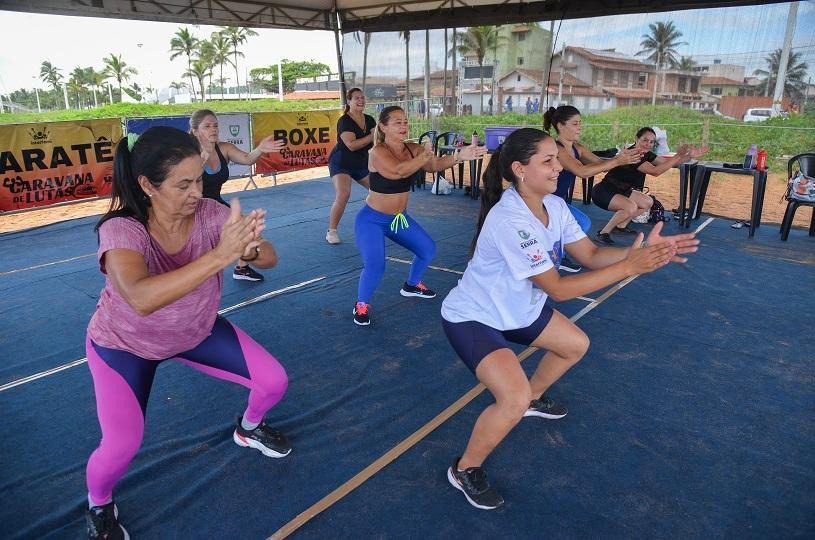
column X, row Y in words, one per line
column 356, row 15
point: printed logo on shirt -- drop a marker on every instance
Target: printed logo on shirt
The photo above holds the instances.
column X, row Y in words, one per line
column 530, row 242
column 554, row 254
column 523, row 234
column 535, row 257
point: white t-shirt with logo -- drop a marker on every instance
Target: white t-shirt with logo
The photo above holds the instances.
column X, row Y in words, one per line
column 513, row 246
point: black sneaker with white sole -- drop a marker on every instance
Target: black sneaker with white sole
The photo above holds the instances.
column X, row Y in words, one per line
column 546, row 407
column 103, row 523
column 475, row 486
column 246, row 273
column 271, row 442
column 361, row 316
column 568, row 265
column 418, row 290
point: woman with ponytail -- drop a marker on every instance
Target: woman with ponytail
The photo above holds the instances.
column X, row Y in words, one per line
column 162, row 250
column 501, row 297
column 577, row 160
column 349, row 158
column 217, row 155
column 395, row 165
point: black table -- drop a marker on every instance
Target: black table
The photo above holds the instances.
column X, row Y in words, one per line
column 475, row 169
column 701, row 179
column 686, row 183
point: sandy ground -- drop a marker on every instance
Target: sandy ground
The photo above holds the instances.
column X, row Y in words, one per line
column 728, row 196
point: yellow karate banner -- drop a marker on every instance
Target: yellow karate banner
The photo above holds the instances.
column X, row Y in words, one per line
column 48, row 163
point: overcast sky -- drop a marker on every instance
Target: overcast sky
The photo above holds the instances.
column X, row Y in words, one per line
column 741, row 35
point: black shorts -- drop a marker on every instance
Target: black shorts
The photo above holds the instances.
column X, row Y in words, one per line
column 602, row 193
column 473, row 341
column 335, row 166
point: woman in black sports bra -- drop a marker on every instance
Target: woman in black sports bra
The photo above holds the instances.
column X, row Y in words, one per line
column 394, row 166
column 218, row 154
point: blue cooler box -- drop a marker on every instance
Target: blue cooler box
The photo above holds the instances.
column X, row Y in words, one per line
column 496, row 135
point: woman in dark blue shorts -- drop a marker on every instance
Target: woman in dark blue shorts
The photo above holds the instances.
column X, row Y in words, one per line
column 349, row 158
column 501, row 298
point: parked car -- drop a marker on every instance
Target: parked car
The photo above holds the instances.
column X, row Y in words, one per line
column 757, row 115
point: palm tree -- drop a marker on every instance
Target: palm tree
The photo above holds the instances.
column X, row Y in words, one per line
column 199, row 69
column 116, row 68
column 453, row 53
column 405, row 34
column 178, row 85
column 478, row 41
column 660, row 46
column 206, row 54
column 94, row 79
column 220, row 55
column 686, row 63
column 76, row 84
column 237, row 36
column 49, row 74
column 794, row 83
column 184, row 43
column 365, row 41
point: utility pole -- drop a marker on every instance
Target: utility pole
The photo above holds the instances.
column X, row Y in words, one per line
column 37, row 92
column 781, row 76
column 427, row 73
column 547, row 69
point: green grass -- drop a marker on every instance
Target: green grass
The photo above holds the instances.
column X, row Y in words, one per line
column 728, row 139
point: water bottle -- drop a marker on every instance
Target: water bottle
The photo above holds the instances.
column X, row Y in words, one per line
column 750, row 157
column 474, row 138
column 761, row 160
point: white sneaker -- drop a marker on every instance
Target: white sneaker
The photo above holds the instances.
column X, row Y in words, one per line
column 332, row 237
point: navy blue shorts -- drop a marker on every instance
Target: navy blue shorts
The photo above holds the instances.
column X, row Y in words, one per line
column 473, row 341
column 335, row 166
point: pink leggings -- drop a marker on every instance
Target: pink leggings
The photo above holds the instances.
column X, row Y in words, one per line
column 122, row 382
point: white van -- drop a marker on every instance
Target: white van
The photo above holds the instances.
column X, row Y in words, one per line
column 757, row 115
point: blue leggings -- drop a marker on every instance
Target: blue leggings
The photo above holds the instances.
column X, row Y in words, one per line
column 371, row 229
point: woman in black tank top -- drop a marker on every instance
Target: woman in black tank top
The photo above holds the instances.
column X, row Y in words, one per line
column 204, row 126
column 394, row 166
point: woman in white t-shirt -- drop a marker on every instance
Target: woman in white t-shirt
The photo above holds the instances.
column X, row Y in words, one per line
column 502, row 295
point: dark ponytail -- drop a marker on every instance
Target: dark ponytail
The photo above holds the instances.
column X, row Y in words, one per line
column 519, row 146
column 153, row 155
column 348, row 96
column 561, row 115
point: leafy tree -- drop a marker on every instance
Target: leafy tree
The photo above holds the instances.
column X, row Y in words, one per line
column 292, row 70
column 794, row 83
column 184, row 43
column 478, row 41
column 116, row 68
column 237, row 36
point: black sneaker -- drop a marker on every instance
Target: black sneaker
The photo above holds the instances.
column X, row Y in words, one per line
column 604, row 238
column 475, row 486
column 419, row 290
column 568, row 265
column 361, row 316
column 246, row 273
column 545, row 407
column 625, row 230
column 271, row 442
column 103, row 523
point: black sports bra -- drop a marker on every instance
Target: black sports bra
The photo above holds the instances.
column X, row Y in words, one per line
column 380, row 184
